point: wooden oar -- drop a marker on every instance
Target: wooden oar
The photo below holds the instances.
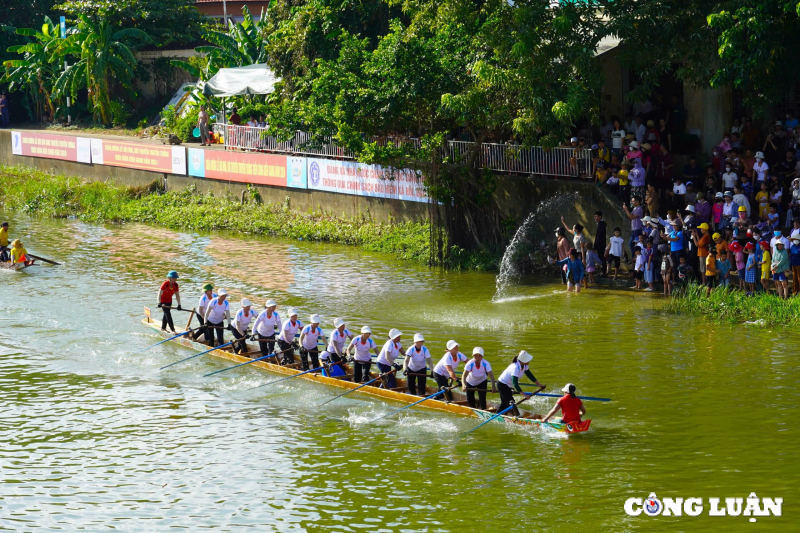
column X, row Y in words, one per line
column 284, row 379
column 176, row 309
column 360, row 386
column 242, row 364
column 43, row 259
column 435, row 394
column 501, row 413
column 162, row 342
column 197, row 355
column 590, row 398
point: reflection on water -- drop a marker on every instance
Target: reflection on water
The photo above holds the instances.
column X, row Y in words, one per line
column 97, row 437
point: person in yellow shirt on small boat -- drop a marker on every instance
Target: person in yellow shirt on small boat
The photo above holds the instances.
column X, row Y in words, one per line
column 4, row 235
column 19, row 254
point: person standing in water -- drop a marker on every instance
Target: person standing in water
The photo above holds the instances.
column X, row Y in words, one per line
column 167, row 290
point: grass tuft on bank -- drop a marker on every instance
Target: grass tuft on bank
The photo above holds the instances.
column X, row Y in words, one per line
column 734, row 307
column 38, row 193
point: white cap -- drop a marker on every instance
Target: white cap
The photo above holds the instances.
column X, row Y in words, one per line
column 246, row 302
column 573, row 140
column 338, row 322
column 394, row 333
column 477, row 350
column 292, row 312
column 314, row 319
column 569, row 387
column 634, row 144
column 524, row 357
column 418, row 337
column 690, row 208
column 451, row 344
column 759, row 155
column 222, row 292
column 271, row 303
column 646, row 219
column 366, row 329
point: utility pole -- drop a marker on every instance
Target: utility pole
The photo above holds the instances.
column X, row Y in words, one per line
column 225, row 13
column 63, row 24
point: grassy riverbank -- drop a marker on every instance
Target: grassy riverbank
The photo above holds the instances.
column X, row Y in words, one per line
column 38, row 193
column 734, row 307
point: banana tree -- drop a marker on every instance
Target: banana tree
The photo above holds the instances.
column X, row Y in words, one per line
column 101, row 55
column 39, row 67
column 243, row 44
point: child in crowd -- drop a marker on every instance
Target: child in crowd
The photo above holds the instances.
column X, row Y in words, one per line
column 794, row 260
column 762, row 199
column 773, row 216
column 624, row 182
column 575, row 270
column 750, row 268
column 741, row 262
column 711, row 271
column 592, row 262
column 638, row 269
column 765, row 264
column 667, row 268
column 684, row 271
column 723, row 269
column 614, row 251
column 649, row 254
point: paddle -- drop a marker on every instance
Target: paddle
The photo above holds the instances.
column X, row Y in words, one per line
column 501, row 413
column 360, row 386
column 284, row 379
column 242, row 364
column 176, row 309
column 43, row 259
column 411, row 405
column 162, row 342
column 198, row 355
column 581, row 397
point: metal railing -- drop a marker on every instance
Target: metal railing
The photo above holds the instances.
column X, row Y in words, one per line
column 498, row 157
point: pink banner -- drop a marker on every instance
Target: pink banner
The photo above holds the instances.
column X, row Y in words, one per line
column 63, row 147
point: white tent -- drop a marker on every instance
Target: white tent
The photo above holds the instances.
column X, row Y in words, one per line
column 252, row 79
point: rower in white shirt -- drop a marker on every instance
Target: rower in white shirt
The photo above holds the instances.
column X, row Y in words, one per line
column 208, row 294
column 309, row 340
column 217, row 312
column 336, row 350
column 416, row 364
column 240, row 324
column 264, row 328
column 445, row 369
column 509, row 380
column 286, row 341
column 391, row 350
column 477, row 372
column 362, row 346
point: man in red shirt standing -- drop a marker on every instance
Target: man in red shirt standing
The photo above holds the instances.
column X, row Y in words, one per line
column 570, row 405
column 165, row 294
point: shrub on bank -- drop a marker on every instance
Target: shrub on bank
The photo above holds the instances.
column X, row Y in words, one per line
column 39, row 193
column 733, row 306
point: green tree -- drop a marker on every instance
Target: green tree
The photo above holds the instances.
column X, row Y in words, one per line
column 101, row 56
column 492, row 69
column 36, row 72
column 170, row 23
column 748, row 44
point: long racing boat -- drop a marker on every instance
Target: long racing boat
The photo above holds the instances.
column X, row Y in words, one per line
column 458, row 406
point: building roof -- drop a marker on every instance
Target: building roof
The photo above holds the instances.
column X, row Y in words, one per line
column 606, row 44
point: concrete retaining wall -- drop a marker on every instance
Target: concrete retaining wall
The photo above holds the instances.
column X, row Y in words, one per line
column 517, row 196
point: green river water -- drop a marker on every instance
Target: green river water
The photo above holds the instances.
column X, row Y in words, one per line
column 96, row 439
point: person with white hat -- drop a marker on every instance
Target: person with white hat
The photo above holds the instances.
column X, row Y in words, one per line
column 445, row 369
column 416, row 365
column 760, row 167
column 477, row 372
column 391, row 350
column 571, row 406
column 217, row 312
column 264, row 328
column 286, row 341
column 336, row 343
column 508, row 383
column 362, row 345
column 240, row 324
column 309, row 340
column 208, row 294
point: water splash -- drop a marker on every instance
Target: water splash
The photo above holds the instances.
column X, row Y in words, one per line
column 525, row 242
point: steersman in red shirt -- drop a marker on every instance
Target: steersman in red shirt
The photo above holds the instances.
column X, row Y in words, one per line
column 570, row 405
column 167, row 290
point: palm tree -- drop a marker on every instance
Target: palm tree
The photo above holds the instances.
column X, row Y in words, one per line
column 101, row 55
column 39, row 67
